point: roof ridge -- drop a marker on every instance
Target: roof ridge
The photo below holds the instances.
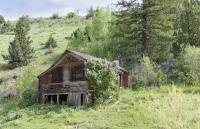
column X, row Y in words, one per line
column 84, row 56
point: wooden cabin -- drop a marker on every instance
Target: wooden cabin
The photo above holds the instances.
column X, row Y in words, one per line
column 65, row 82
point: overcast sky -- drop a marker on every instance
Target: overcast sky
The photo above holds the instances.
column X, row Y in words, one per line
column 12, row 9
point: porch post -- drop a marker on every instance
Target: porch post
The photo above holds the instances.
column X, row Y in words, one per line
column 58, row 97
column 43, row 99
column 51, row 99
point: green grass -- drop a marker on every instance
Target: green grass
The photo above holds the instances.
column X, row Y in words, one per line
column 168, row 107
column 39, row 33
column 142, row 109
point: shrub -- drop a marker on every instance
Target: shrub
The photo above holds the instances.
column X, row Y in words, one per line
column 91, row 13
column 51, row 43
column 81, row 35
column 190, row 62
column 148, row 74
column 27, row 86
column 6, row 27
column 55, row 16
column 71, row 15
column 28, row 97
column 96, row 32
column 169, row 67
column 102, row 78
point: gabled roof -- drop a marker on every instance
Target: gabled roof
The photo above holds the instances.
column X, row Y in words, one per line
column 82, row 56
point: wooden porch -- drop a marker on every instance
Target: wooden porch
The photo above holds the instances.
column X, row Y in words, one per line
column 66, row 92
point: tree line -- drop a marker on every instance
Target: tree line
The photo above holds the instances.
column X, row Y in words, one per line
column 151, row 38
column 156, row 28
column 5, row 26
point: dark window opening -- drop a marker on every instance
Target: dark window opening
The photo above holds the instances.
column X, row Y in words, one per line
column 82, row 99
column 63, row 99
column 78, row 74
column 57, row 75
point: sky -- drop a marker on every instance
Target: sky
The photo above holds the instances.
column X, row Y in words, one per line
column 13, row 9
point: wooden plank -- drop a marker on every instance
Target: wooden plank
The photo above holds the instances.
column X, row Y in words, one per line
column 58, row 98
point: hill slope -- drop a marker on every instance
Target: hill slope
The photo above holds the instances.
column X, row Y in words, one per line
column 41, row 29
column 159, row 108
column 163, row 108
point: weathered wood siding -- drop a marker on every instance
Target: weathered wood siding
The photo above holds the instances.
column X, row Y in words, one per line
column 73, row 86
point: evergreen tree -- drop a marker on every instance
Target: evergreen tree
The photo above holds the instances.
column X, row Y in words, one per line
column 20, row 50
column 55, row 16
column 144, row 29
column 91, row 13
column 3, row 25
column 6, row 27
column 51, row 43
column 186, row 25
column 2, row 20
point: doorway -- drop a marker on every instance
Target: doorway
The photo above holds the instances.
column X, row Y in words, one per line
column 63, row 99
column 50, row 99
column 82, row 99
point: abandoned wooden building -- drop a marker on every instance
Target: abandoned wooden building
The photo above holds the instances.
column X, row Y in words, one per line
column 65, row 82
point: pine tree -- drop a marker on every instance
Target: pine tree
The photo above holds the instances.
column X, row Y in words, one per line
column 2, row 20
column 186, row 25
column 3, row 25
column 51, row 43
column 145, row 28
column 20, row 50
column 91, row 13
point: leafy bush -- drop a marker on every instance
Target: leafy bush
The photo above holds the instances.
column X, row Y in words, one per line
column 71, row 15
column 81, row 35
column 148, row 74
column 27, row 86
column 6, row 27
column 55, row 16
column 95, row 36
column 51, row 43
column 190, row 62
column 169, row 67
column 91, row 13
column 28, row 97
column 102, row 77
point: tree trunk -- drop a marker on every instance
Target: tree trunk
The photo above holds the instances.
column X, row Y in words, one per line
column 144, row 29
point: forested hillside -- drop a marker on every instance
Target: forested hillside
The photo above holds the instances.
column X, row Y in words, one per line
column 156, row 41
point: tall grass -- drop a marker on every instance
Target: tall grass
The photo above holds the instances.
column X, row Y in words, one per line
column 175, row 111
column 161, row 108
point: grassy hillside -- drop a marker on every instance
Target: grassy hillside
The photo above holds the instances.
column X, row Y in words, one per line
column 167, row 107
column 161, row 108
column 40, row 31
